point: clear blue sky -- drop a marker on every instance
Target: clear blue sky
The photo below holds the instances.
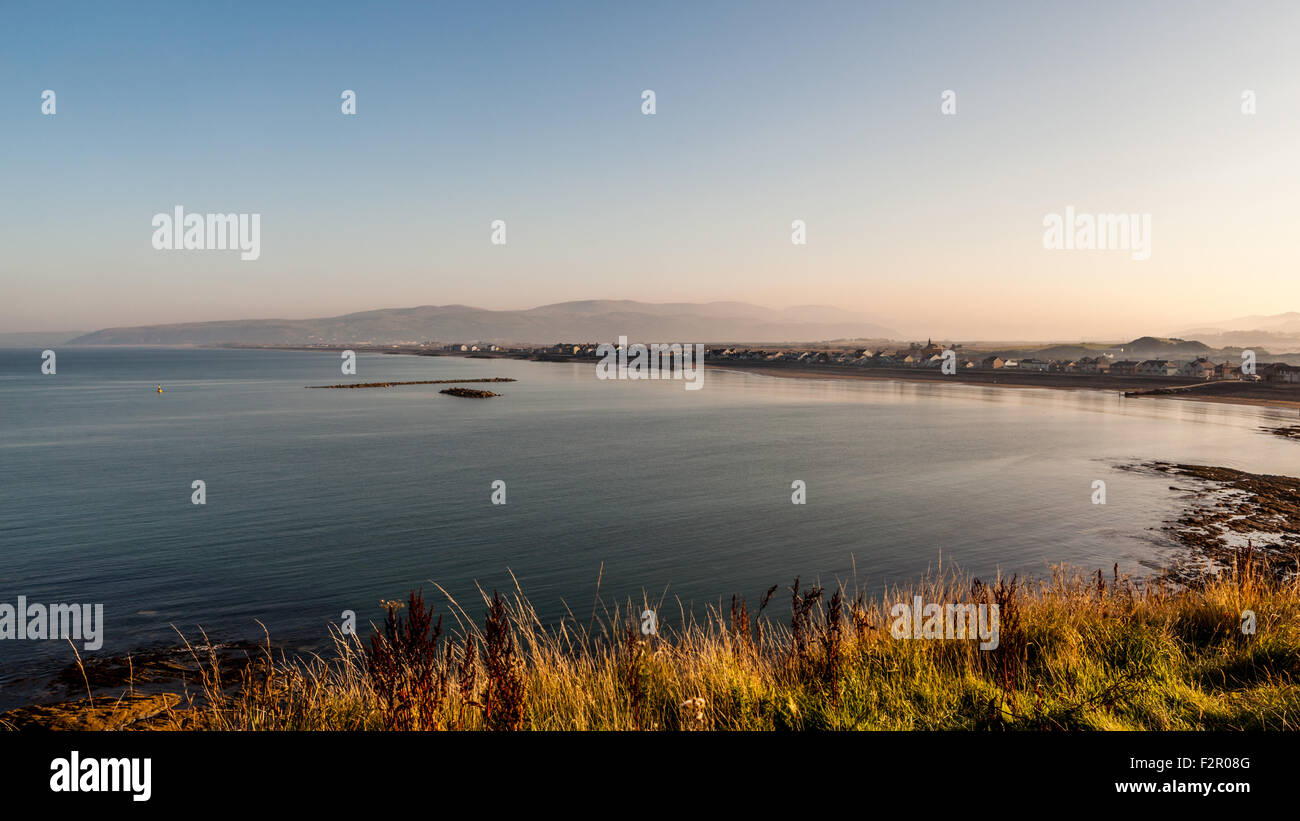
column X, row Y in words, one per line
column 767, row 112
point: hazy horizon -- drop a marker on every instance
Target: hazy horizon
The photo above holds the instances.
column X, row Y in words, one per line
column 904, row 333
column 830, row 114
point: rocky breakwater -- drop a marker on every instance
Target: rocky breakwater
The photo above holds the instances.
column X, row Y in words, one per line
column 419, row 382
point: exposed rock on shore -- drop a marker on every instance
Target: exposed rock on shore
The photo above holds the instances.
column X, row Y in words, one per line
column 129, row 692
column 1235, row 517
column 138, row 711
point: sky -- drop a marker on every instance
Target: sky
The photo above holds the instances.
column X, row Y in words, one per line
column 765, row 113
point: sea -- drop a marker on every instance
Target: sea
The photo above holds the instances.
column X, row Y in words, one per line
column 317, row 502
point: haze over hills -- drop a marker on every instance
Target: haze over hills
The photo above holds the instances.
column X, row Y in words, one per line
column 712, row 322
column 1275, row 323
column 588, row 320
column 1276, row 332
column 29, row 339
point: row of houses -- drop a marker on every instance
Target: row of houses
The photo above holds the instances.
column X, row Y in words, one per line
column 932, row 355
column 470, row 347
column 1199, row 368
column 1104, row 365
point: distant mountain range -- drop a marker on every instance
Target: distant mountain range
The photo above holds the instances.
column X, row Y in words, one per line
column 36, row 339
column 1275, row 332
column 711, row 322
column 589, row 320
column 1287, row 323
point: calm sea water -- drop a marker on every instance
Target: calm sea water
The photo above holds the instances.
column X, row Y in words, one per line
column 325, row 501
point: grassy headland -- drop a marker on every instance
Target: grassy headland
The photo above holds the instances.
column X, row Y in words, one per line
column 1075, row 652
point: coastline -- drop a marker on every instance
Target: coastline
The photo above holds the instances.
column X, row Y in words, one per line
column 1190, row 609
column 1228, row 392
column 1234, row 392
column 1231, row 393
column 149, row 690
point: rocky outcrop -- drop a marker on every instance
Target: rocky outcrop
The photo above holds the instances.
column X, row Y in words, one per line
column 138, row 711
column 469, row 393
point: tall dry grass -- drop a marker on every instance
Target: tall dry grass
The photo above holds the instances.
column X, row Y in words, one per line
column 1076, row 652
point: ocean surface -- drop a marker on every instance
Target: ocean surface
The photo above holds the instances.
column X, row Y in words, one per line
column 320, row 501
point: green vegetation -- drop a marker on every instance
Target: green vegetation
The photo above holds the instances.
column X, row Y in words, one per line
column 1075, row 652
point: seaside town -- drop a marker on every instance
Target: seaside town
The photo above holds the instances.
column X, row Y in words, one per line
column 929, row 355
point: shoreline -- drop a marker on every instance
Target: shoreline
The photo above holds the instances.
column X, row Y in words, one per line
column 1227, row 392
column 1207, row 531
column 1230, row 393
column 1231, row 522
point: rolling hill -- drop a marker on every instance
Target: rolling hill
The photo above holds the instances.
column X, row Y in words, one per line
column 588, row 320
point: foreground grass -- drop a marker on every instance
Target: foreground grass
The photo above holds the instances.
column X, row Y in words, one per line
column 1075, row 653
